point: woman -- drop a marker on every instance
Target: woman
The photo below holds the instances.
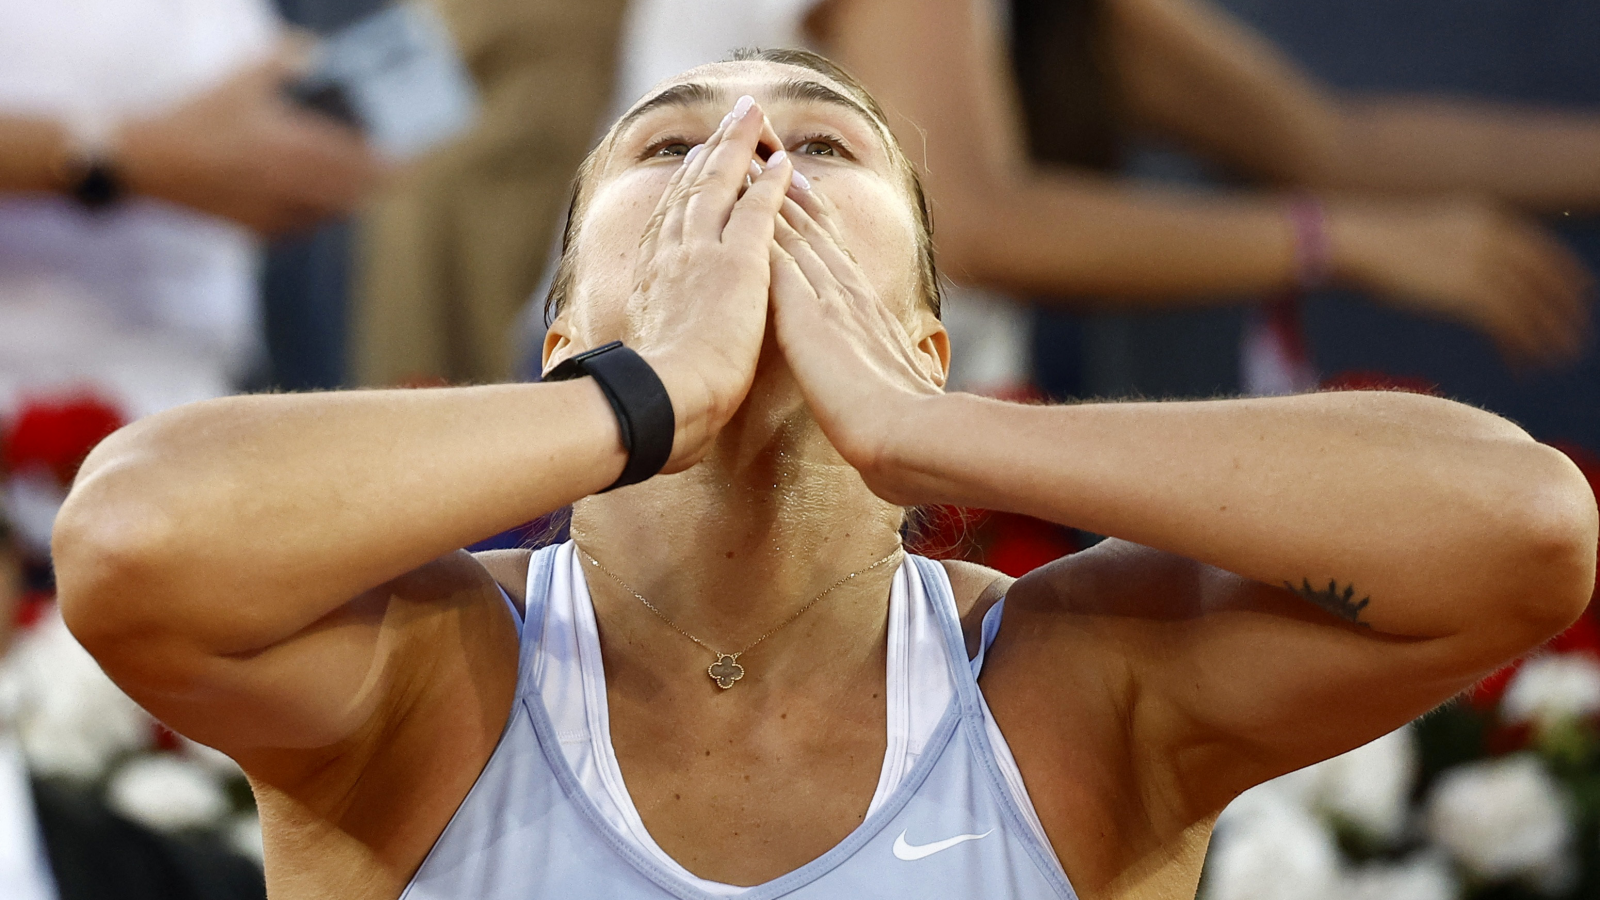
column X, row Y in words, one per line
column 276, row 576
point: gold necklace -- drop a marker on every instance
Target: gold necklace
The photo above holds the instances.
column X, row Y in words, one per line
column 726, row 670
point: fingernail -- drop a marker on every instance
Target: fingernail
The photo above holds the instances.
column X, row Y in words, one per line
column 725, row 120
column 799, row 181
column 777, row 159
column 755, row 169
column 743, row 106
column 693, row 152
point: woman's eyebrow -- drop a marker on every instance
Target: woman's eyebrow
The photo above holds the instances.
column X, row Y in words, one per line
column 689, row 93
column 694, row 93
column 803, row 90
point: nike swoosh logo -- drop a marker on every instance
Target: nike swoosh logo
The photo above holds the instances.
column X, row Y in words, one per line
column 909, row 852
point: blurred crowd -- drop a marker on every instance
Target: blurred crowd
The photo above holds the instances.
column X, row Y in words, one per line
column 1132, row 198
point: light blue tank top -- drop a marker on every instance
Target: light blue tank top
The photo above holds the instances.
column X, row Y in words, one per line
column 957, row 823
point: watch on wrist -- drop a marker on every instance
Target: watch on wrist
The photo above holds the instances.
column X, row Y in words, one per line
column 89, row 171
column 639, row 400
column 98, row 185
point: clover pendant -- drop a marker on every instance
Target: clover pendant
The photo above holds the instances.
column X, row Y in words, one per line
column 726, row 670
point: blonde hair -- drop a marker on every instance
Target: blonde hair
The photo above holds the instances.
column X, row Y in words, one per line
column 927, row 273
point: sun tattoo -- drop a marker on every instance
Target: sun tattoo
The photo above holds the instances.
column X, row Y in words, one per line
column 1340, row 603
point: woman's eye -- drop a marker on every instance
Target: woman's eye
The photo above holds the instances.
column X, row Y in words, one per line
column 818, row 148
column 676, row 148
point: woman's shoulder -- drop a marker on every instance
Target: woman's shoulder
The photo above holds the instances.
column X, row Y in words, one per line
column 977, row 588
column 509, row 569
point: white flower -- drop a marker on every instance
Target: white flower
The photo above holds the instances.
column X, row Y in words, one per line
column 1370, row 787
column 167, row 793
column 1550, row 689
column 1502, row 818
column 214, row 761
column 71, row 718
column 1423, row 877
column 1271, row 848
column 244, row 835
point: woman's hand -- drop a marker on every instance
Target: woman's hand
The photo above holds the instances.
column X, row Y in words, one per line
column 698, row 311
column 859, row 369
column 1471, row 262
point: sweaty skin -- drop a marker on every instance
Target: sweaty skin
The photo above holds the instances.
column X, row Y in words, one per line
column 277, row 575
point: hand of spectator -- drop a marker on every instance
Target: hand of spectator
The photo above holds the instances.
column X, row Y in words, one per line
column 1474, row 263
column 245, row 152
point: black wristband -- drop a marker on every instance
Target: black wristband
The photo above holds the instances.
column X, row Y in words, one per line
column 637, row 396
column 97, row 185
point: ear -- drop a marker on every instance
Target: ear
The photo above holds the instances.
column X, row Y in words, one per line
column 935, row 345
column 557, row 345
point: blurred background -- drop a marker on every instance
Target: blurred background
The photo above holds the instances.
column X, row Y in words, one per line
column 1172, row 199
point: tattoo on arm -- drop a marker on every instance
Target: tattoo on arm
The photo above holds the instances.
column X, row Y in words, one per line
column 1341, row 603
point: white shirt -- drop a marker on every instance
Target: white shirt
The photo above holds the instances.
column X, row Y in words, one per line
column 24, row 868
column 149, row 303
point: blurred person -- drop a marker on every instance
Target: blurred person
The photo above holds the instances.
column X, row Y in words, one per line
column 1424, row 202
column 144, row 144
column 60, row 842
column 448, row 253
column 733, row 676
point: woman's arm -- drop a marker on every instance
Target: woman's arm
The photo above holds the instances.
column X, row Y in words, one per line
column 1191, row 71
column 223, row 560
column 1436, row 539
column 268, row 571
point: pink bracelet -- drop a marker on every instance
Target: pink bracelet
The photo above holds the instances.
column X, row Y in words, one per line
column 1313, row 249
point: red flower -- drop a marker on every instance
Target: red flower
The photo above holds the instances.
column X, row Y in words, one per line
column 55, row 435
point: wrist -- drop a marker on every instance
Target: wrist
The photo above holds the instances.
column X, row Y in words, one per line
column 1351, row 229
column 696, row 417
column 87, row 164
column 1313, row 243
column 907, row 466
column 638, row 400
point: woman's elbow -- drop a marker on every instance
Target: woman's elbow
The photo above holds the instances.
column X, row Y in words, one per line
column 108, row 546
column 1557, row 540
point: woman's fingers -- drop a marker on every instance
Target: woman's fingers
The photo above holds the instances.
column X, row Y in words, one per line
column 820, row 209
column 824, row 284
column 670, row 197
column 688, row 174
column 827, row 246
column 755, row 215
column 711, row 196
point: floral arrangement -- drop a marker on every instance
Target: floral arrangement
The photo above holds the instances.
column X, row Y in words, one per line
column 72, row 722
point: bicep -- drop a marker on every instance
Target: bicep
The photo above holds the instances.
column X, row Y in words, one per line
column 1238, row 681
column 343, row 676
column 1191, row 72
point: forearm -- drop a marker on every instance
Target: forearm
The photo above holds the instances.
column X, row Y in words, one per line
column 1081, row 236
column 1545, row 161
column 32, row 152
column 243, row 520
column 1439, row 513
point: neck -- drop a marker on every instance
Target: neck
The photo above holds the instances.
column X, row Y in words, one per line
column 735, row 545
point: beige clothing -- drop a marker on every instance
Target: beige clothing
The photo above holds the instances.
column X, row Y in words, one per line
column 449, row 255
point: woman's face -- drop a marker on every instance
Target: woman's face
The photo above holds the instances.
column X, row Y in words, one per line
column 835, row 144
